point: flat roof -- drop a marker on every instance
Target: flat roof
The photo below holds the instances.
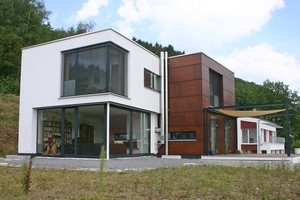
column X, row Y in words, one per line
column 89, row 33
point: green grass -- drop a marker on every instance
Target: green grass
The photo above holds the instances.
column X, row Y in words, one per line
column 186, row 182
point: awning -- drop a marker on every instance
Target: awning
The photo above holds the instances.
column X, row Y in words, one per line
column 234, row 113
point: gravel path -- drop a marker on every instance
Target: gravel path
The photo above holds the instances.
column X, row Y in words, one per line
column 121, row 164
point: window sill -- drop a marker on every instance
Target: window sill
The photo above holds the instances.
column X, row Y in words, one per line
column 154, row 90
column 96, row 94
column 183, row 140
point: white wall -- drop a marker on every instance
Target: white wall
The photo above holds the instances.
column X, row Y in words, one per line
column 41, row 80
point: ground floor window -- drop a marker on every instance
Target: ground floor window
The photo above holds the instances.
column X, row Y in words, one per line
column 83, row 130
column 191, row 135
column 249, row 136
column 129, row 132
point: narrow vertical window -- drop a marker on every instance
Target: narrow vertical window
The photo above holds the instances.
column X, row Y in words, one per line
column 214, row 88
column 152, row 80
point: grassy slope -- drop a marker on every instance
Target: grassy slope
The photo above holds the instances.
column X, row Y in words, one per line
column 189, row 182
column 9, row 109
column 9, row 117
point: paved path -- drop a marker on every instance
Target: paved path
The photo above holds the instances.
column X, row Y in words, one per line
column 125, row 164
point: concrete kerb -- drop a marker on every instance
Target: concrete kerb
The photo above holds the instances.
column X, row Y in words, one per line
column 17, row 157
column 294, row 159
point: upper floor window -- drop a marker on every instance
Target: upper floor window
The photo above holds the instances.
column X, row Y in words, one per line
column 96, row 69
column 151, row 80
column 214, row 88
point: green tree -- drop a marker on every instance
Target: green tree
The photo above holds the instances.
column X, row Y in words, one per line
column 24, row 23
column 247, row 93
column 157, row 48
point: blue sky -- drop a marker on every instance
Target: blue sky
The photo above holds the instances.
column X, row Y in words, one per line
column 256, row 39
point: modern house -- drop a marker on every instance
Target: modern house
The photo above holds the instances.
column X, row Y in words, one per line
column 259, row 136
column 103, row 89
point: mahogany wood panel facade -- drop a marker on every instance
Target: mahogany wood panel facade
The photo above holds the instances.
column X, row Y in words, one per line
column 189, row 94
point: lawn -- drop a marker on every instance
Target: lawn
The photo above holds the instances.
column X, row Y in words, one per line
column 186, row 182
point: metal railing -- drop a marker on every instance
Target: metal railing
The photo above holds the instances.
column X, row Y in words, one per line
column 274, row 139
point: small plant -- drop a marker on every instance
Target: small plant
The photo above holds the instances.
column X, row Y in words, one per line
column 26, row 176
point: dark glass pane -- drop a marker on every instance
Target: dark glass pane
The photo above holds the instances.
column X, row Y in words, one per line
column 69, row 74
column 118, row 72
column 49, row 131
column 69, row 131
column 119, row 132
column 147, row 79
column 91, row 130
column 214, row 88
column 91, row 71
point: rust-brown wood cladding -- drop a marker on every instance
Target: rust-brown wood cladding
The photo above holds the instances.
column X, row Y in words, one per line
column 189, row 94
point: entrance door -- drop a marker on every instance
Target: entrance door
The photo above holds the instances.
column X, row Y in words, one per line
column 213, row 134
column 227, row 135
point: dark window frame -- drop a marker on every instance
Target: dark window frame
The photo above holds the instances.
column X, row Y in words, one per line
column 184, row 135
column 109, row 48
column 153, row 81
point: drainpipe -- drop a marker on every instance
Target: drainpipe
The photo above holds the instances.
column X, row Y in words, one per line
column 107, row 130
column 166, row 104
column 258, row 136
column 162, row 98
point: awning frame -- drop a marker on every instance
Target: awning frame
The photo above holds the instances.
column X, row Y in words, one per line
column 287, row 107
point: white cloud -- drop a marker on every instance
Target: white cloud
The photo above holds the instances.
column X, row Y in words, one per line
column 200, row 23
column 261, row 62
column 90, row 9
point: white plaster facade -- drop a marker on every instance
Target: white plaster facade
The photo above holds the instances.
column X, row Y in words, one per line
column 42, row 83
column 263, row 136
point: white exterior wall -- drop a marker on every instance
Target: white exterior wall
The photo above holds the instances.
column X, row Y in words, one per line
column 41, row 81
column 271, row 147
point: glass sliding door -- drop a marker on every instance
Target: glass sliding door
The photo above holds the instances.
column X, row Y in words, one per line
column 213, row 134
column 91, row 130
column 141, row 133
column 49, row 132
column 119, row 131
column 227, row 135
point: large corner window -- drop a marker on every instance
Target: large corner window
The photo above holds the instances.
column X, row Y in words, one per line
column 182, row 136
column 151, row 80
column 214, row 87
column 97, row 69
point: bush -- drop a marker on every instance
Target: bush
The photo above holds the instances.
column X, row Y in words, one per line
column 296, row 144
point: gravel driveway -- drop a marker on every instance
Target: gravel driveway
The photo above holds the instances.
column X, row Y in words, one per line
column 120, row 164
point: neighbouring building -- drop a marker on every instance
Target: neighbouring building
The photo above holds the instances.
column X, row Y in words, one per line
column 103, row 89
column 259, row 136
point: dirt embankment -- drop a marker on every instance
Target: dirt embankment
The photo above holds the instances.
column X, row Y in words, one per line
column 8, row 139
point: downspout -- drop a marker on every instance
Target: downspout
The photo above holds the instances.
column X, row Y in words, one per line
column 258, row 136
column 107, row 130
column 162, row 98
column 166, row 104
